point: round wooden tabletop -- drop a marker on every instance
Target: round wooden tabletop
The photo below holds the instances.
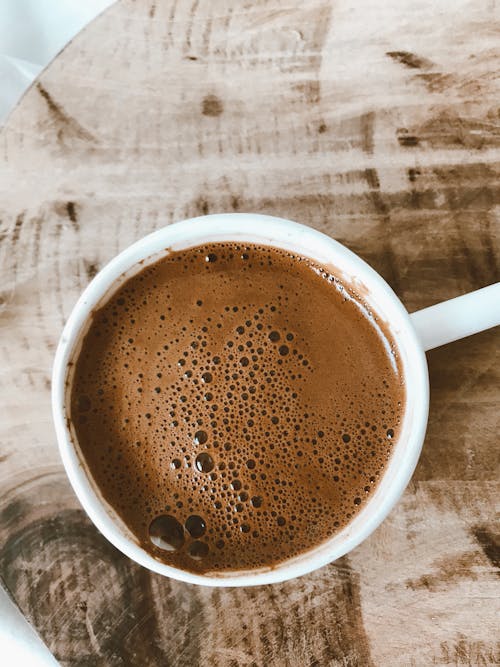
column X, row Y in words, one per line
column 374, row 122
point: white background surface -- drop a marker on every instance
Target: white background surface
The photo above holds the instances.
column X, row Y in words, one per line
column 19, row 643
column 32, row 32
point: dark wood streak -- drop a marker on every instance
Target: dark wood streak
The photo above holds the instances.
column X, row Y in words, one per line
column 355, row 633
column 201, row 206
column 91, row 269
column 311, row 90
column 58, row 287
column 389, row 261
column 205, row 40
column 367, row 121
column 189, row 29
column 447, row 571
column 472, row 263
column 460, row 375
column 435, row 82
column 409, row 59
column 37, row 225
column 449, row 129
column 212, row 106
column 374, row 183
column 11, row 258
column 16, row 232
column 72, row 215
column 405, row 139
column 64, row 119
column 291, row 609
column 492, row 269
column 315, row 39
column 240, row 611
column 490, row 544
column 13, row 511
column 467, row 652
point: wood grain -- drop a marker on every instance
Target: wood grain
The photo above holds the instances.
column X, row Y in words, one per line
column 377, row 123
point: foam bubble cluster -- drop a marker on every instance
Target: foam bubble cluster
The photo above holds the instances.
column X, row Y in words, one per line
column 235, row 406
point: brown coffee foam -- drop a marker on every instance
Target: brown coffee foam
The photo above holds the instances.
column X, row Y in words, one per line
column 244, row 387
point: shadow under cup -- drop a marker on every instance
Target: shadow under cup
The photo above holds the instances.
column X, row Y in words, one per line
column 300, row 239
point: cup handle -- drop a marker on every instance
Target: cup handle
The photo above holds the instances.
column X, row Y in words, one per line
column 457, row 318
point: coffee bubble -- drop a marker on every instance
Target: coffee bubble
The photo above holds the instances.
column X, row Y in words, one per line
column 166, row 533
column 204, row 462
column 195, row 525
column 200, row 437
column 198, row 550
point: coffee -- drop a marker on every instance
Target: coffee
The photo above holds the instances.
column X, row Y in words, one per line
column 236, row 405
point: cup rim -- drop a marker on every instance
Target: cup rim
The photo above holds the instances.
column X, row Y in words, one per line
column 281, row 233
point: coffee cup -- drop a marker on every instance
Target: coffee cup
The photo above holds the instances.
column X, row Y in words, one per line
column 413, row 334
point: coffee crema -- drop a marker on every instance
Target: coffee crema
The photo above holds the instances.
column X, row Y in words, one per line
column 236, row 405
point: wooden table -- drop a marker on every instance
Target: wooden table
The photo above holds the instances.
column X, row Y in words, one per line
column 374, row 122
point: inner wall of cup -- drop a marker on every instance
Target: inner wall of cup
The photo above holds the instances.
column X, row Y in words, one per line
column 384, row 304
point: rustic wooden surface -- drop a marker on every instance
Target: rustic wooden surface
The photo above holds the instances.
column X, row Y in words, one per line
column 374, row 122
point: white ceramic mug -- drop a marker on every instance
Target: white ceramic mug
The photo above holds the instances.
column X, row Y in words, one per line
column 414, row 334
